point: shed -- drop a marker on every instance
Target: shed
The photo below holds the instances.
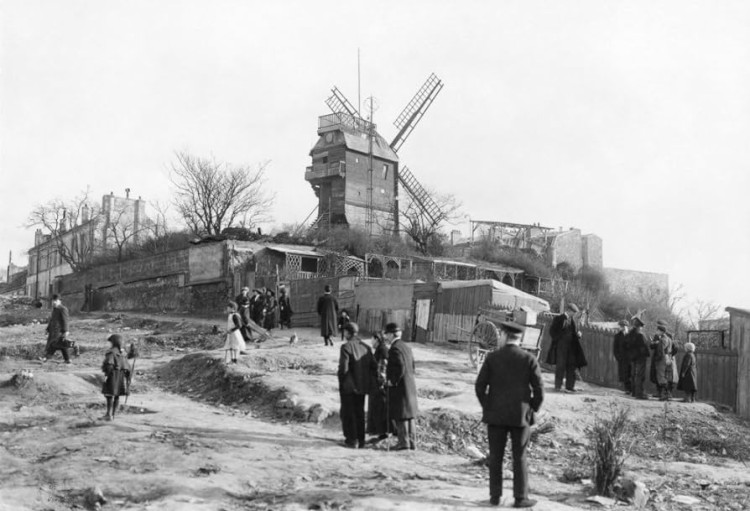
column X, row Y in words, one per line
column 739, row 342
column 445, row 309
column 379, row 302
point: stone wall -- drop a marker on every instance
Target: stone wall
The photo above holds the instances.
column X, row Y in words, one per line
column 591, row 247
column 639, row 285
column 567, row 248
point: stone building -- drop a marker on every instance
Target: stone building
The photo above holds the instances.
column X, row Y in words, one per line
column 574, row 249
column 638, row 285
column 120, row 221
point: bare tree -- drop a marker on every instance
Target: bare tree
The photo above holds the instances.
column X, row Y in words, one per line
column 122, row 230
column 423, row 229
column 702, row 310
column 212, row 195
column 58, row 217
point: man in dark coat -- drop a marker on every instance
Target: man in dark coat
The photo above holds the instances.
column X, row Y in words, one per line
column 357, row 372
column 57, row 330
column 269, row 313
column 566, row 352
column 243, row 309
column 285, row 309
column 638, row 351
column 402, row 388
column 257, row 306
column 509, row 388
column 621, row 356
column 377, row 415
column 328, row 310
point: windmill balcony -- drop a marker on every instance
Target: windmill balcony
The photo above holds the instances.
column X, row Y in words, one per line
column 324, row 170
column 339, row 120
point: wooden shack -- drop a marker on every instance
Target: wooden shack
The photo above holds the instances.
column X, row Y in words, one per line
column 739, row 343
column 379, row 302
column 447, row 310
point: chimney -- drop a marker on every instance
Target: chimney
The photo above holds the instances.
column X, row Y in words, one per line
column 127, row 193
column 38, row 237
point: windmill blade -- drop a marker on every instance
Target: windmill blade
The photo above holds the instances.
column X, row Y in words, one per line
column 415, row 110
column 420, row 196
column 338, row 103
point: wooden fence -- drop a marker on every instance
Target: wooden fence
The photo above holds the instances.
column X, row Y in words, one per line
column 717, row 369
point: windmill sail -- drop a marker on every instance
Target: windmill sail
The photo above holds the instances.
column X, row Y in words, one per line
column 338, row 103
column 415, row 110
column 420, row 196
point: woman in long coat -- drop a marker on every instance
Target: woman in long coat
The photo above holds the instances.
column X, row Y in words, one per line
column 285, row 309
column 402, row 390
column 328, row 310
column 377, row 417
column 688, row 382
column 116, row 371
column 269, row 317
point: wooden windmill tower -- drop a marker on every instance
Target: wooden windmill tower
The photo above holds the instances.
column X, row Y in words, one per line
column 356, row 173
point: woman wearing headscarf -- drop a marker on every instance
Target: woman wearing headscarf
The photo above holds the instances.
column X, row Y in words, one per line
column 688, row 382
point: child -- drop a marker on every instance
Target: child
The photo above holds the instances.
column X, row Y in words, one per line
column 234, row 342
column 117, row 376
column 344, row 320
column 688, row 382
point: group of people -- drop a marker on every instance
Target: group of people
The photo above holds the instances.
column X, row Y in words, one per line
column 261, row 308
column 632, row 350
column 385, row 375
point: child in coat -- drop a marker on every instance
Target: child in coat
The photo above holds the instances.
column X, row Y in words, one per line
column 344, row 320
column 688, row 382
column 116, row 371
column 234, row 342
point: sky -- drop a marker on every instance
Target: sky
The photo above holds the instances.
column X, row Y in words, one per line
column 630, row 120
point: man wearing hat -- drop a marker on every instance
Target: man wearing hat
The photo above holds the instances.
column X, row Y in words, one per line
column 357, row 371
column 638, row 351
column 566, row 352
column 509, row 388
column 621, row 356
column 243, row 308
column 662, row 361
column 401, row 388
column 328, row 310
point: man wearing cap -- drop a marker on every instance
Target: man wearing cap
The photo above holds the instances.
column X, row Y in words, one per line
column 566, row 352
column 328, row 310
column 509, row 388
column 357, row 370
column 638, row 351
column 621, row 356
column 57, row 330
column 401, row 388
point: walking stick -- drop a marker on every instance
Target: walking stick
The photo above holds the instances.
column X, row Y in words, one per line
column 388, row 415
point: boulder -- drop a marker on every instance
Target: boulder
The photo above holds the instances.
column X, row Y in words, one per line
column 634, row 492
column 318, row 414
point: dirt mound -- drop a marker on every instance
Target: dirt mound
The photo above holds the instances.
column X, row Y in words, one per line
column 48, row 386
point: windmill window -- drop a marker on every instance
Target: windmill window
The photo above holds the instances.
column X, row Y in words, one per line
column 325, row 159
column 385, row 171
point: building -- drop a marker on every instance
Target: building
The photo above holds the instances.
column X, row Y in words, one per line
column 121, row 221
column 638, row 285
column 354, row 175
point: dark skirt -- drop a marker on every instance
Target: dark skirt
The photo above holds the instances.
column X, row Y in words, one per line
column 377, row 418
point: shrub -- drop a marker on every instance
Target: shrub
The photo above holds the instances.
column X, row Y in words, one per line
column 609, row 447
column 531, row 263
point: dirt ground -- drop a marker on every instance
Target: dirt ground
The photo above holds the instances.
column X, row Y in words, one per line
column 200, row 434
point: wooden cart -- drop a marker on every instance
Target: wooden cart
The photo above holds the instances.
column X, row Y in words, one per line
column 485, row 337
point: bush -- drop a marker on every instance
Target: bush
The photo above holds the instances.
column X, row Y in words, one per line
column 531, row 263
column 609, row 447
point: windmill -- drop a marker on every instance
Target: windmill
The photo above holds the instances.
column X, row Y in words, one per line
column 355, row 172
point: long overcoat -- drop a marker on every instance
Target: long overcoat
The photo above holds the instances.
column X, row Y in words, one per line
column 116, row 371
column 58, row 323
column 688, row 374
column 377, row 421
column 509, row 387
column 357, row 368
column 328, row 310
column 619, row 350
column 662, row 359
column 402, row 393
column 564, row 334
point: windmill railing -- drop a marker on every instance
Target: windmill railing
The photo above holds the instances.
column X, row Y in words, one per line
column 338, row 119
column 322, row 170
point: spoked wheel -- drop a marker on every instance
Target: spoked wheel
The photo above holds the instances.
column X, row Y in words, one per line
column 484, row 338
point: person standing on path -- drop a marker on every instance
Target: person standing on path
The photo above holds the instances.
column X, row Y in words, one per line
column 356, row 375
column 243, row 309
column 662, row 361
column 269, row 314
column 401, row 388
column 688, row 382
column 509, row 388
column 57, row 330
column 566, row 352
column 377, row 416
column 116, row 371
column 328, row 310
column 234, row 343
column 619, row 350
column 285, row 309
column 638, row 351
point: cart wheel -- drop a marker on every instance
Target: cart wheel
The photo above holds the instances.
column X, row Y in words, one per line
column 484, row 338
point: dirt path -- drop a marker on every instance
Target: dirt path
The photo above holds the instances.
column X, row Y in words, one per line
column 199, row 435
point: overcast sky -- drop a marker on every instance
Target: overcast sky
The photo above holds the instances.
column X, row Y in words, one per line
column 630, row 120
